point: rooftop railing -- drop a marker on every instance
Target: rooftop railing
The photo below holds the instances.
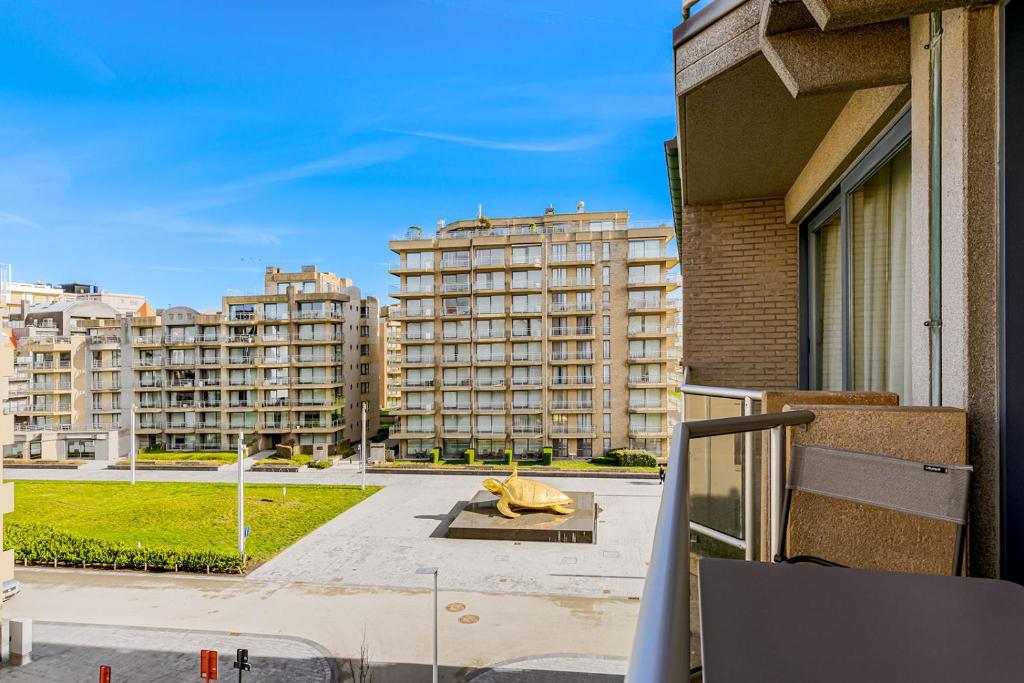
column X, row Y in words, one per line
column 561, row 227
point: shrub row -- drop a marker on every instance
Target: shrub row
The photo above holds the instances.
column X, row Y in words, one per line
column 42, row 544
column 627, row 457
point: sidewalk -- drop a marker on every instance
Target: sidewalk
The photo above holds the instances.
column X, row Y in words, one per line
column 74, row 652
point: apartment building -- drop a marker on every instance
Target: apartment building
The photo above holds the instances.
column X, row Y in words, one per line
column 556, row 330
column 391, row 353
column 842, row 181
column 6, row 438
column 290, row 365
column 18, row 299
column 67, row 389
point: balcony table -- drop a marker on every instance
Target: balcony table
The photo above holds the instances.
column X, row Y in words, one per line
column 780, row 622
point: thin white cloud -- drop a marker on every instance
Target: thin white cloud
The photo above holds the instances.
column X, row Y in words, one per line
column 362, row 156
column 13, row 219
column 569, row 144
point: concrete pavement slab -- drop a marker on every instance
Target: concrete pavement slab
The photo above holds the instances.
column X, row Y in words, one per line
column 74, row 652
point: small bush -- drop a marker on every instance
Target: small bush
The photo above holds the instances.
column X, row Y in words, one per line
column 346, row 451
column 470, row 456
column 508, row 456
column 627, row 457
column 435, row 456
column 41, row 544
column 547, row 454
column 321, row 464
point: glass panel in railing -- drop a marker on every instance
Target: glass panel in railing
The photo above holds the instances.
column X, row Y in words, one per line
column 716, row 477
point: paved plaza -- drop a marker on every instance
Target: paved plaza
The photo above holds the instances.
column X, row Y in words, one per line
column 382, row 541
column 510, row 610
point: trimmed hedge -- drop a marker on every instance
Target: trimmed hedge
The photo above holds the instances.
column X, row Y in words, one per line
column 42, row 544
column 626, row 457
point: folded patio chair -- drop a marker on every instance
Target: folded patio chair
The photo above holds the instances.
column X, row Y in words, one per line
column 927, row 490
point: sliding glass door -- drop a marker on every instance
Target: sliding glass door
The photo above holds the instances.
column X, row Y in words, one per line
column 858, row 275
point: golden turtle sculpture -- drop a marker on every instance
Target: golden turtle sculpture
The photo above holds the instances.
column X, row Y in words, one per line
column 528, row 495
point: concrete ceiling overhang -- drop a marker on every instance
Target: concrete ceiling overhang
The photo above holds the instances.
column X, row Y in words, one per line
column 744, row 135
column 832, row 15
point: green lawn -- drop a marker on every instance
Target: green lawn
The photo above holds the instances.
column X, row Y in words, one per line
column 209, row 456
column 183, row 515
column 296, row 459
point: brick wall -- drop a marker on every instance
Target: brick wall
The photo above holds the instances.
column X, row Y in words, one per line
column 740, row 295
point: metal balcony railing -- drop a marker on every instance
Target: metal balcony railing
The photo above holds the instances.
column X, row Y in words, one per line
column 572, row 331
column 530, row 380
column 454, row 262
column 661, row 652
column 571, row 405
column 654, row 281
column 579, row 355
column 449, row 287
column 570, row 429
column 527, row 429
column 570, row 307
column 645, row 253
column 490, row 382
column 572, row 258
column 572, row 379
column 489, row 261
column 413, row 267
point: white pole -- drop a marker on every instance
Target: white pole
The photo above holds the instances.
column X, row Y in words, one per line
column 241, row 501
column 435, row 627
column 132, row 452
column 362, row 449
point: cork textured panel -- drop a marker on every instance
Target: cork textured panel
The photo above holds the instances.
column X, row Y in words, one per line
column 776, row 401
column 863, row 536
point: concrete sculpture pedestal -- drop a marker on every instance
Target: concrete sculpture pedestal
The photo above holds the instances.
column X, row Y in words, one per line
column 481, row 520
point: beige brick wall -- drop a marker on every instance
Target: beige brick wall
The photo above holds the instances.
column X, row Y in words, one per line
column 739, row 265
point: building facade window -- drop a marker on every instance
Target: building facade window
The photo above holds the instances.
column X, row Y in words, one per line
column 857, row 273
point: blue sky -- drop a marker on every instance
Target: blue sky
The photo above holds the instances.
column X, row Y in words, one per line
column 175, row 149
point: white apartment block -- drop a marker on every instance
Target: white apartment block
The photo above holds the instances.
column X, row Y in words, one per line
column 557, row 330
column 290, row 365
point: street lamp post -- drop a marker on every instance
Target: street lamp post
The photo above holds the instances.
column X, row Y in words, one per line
column 362, row 448
column 132, row 451
column 433, row 570
column 241, row 500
